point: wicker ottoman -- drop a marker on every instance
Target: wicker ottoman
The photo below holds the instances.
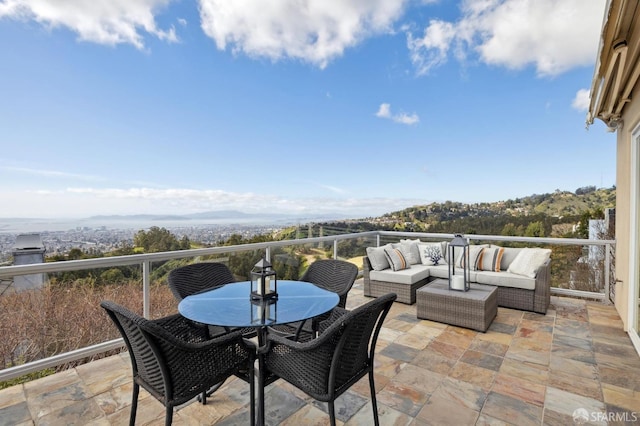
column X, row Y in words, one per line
column 474, row 309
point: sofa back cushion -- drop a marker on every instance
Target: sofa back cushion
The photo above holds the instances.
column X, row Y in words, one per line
column 490, row 259
column 410, row 250
column 474, row 253
column 528, row 261
column 508, row 255
column 429, row 252
column 396, row 258
column 377, row 258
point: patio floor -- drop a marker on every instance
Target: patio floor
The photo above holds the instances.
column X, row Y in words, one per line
column 527, row 369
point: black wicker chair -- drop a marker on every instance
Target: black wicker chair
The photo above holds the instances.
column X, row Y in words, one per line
column 196, row 277
column 334, row 275
column 342, row 354
column 175, row 361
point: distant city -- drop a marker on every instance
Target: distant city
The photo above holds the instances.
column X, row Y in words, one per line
column 60, row 236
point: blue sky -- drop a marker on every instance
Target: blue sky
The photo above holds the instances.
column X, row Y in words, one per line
column 312, row 106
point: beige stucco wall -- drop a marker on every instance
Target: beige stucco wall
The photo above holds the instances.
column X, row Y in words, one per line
column 624, row 209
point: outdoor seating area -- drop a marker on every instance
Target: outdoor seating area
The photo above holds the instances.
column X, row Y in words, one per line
column 522, row 276
column 526, row 369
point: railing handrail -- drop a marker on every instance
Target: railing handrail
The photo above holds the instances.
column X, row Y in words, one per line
column 136, row 259
column 536, row 240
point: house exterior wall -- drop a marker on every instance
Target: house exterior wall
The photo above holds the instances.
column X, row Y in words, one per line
column 626, row 206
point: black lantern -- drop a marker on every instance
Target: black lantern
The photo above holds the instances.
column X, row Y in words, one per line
column 461, row 280
column 264, row 285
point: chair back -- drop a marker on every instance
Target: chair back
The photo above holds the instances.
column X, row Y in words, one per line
column 334, row 275
column 355, row 350
column 187, row 280
column 143, row 352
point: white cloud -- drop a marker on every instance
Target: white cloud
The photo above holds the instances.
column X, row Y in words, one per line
column 314, row 31
column 85, row 202
column 581, row 101
column 105, row 22
column 384, row 111
column 49, row 173
column 552, row 35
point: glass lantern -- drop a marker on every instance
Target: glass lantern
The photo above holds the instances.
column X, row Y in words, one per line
column 264, row 285
column 460, row 280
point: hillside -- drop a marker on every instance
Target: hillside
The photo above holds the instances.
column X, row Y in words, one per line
column 557, row 204
column 535, row 215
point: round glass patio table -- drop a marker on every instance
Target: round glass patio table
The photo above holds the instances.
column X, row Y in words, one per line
column 230, row 305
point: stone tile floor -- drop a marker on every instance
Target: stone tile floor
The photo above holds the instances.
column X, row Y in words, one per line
column 527, row 369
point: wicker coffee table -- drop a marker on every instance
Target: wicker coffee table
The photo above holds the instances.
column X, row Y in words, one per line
column 473, row 309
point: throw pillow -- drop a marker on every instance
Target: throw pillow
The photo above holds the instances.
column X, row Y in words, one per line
column 396, row 258
column 509, row 255
column 489, row 259
column 377, row 258
column 528, row 261
column 474, row 253
column 410, row 250
column 429, row 252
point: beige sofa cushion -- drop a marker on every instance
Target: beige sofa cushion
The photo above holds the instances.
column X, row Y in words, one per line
column 528, row 261
column 377, row 258
column 405, row 276
column 508, row 255
column 410, row 250
column 424, row 252
column 506, row 279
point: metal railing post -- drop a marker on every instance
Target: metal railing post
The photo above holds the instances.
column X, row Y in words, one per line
column 607, row 271
column 335, row 249
column 146, row 288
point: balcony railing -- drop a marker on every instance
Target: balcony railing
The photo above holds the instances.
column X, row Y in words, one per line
column 593, row 267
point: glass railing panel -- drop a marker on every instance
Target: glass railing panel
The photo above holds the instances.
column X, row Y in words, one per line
column 354, row 249
column 64, row 314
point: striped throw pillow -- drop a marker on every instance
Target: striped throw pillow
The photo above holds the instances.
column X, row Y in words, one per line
column 490, row 258
column 396, row 258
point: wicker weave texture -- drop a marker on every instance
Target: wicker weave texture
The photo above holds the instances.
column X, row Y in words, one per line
column 406, row 292
column 174, row 360
column 194, row 278
column 473, row 309
column 327, row 366
column 333, row 275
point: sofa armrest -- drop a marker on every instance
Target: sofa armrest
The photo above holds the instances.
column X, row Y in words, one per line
column 366, row 267
column 542, row 296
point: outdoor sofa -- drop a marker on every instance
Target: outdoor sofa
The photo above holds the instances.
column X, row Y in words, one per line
column 521, row 275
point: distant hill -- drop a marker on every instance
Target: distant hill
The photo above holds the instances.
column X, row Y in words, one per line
column 555, row 214
column 557, row 204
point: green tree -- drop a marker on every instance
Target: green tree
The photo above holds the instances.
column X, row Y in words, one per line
column 156, row 240
column 112, row 276
column 509, row 230
column 535, row 229
column 75, row 254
